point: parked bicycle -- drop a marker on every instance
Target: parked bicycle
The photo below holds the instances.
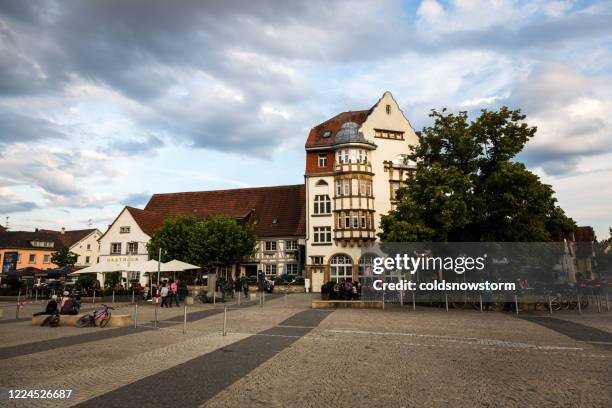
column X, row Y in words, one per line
column 103, row 315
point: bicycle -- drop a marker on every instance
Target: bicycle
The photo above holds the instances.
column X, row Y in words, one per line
column 103, row 315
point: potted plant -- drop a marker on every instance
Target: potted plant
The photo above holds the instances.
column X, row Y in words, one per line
column 326, row 289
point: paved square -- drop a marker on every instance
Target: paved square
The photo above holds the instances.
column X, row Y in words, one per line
column 286, row 354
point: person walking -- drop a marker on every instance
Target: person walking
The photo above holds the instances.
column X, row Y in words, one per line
column 174, row 293
column 164, row 295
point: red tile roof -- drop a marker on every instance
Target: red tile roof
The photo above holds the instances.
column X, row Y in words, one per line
column 274, row 211
column 23, row 240
column 69, row 238
column 315, row 137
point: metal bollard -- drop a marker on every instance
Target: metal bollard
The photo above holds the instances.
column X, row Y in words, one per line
column 113, row 301
column 550, row 305
column 607, row 303
column 94, row 298
column 480, row 302
column 239, row 292
column 215, row 297
column 413, row 301
column 383, row 297
column 224, row 320
column 155, row 322
column 401, row 298
column 285, row 297
column 578, row 299
column 598, row 304
column 516, row 304
column 18, row 303
column 132, row 296
column 185, row 319
column 135, row 316
column 36, row 299
column 446, row 301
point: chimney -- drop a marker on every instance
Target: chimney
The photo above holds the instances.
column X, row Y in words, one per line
column 63, row 230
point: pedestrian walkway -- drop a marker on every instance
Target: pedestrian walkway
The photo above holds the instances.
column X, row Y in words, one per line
column 576, row 331
column 194, row 382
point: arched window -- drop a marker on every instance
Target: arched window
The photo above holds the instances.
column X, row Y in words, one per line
column 322, row 204
column 341, row 268
column 366, row 267
column 321, row 183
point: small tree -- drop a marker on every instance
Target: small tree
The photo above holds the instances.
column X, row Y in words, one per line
column 64, row 257
column 221, row 241
column 218, row 240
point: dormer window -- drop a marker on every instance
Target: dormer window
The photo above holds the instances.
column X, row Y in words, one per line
column 327, row 133
column 388, row 109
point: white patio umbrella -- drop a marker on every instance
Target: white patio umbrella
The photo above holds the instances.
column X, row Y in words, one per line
column 149, row 266
column 99, row 268
column 176, row 265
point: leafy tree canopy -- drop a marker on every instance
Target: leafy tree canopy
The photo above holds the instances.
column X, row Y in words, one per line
column 466, row 186
column 64, row 257
column 218, row 240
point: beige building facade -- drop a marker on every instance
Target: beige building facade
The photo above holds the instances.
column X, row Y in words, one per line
column 355, row 162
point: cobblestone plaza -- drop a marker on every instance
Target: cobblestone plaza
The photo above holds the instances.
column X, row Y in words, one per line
column 285, row 354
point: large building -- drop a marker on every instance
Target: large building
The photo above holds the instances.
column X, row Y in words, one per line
column 84, row 243
column 21, row 249
column 355, row 162
column 276, row 214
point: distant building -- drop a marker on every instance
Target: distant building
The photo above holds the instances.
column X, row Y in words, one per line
column 276, row 214
column 20, row 249
column 83, row 242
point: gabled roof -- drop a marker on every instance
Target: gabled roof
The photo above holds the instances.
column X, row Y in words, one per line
column 69, row 238
column 273, row 211
column 315, row 137
column 23, row 239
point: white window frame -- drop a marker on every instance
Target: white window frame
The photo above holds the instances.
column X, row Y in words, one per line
column 322, row 235
column 292, row 268
column 131, row 251
column 322, row 162
column 322, row 204
column 113, row 245
column 271, row 269
column 270, row 246
column 341, row 268
column 124, row 230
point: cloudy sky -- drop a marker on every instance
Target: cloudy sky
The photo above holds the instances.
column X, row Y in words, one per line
column 104, row 102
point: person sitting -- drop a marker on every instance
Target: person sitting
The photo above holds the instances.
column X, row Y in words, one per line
column 51, row 307
column 69, row 307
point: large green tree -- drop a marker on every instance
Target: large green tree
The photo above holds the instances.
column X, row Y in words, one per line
column 218, row 240
column 467, row 186
column 64, row 257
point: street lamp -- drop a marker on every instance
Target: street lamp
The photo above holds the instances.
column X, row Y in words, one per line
column 159, row 264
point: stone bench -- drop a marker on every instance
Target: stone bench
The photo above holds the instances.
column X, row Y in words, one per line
column 117, row 320
column 347, row 304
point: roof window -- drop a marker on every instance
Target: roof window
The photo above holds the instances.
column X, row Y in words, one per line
column 327, row 133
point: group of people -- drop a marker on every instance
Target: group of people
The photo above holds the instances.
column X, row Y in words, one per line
column 345, row 290
column 69, row 304
column 169, row 293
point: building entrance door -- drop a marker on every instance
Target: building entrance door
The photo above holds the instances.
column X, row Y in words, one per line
column 317, row 281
